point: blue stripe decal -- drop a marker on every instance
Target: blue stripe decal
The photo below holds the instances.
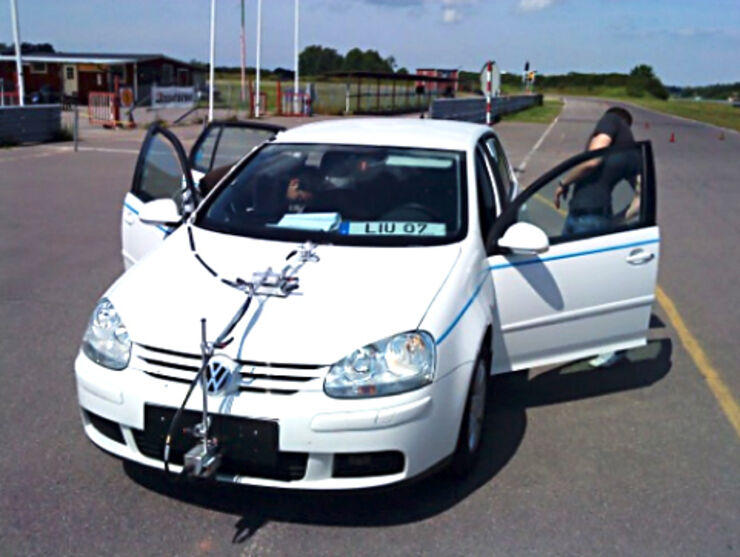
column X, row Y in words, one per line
column 167, row 231
column 477, row 290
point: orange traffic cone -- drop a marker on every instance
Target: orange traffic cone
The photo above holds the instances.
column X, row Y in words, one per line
column 673, row 138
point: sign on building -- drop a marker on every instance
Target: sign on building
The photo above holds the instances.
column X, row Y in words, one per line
column 173, row 97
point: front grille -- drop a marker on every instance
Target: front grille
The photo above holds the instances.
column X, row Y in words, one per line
column 241, row 455
column 106, row 427
column 257, row 377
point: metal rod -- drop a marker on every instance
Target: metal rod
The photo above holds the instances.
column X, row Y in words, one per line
column 76, row 127
column 17, row 39
column 212, row 60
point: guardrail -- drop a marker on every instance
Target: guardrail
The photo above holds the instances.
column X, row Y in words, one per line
column 474, row 109
column 26, row 124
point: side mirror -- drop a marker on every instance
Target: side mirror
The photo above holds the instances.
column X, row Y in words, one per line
column 524, row 238
column 160, row 211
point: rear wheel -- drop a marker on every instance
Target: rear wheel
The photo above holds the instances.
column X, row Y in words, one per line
column 471, row 428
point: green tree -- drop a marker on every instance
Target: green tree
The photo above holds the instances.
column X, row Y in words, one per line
column 317, row 60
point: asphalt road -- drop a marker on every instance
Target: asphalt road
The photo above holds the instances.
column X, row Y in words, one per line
column 638, row 459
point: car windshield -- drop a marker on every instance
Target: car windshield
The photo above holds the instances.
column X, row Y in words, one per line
column 352, row 195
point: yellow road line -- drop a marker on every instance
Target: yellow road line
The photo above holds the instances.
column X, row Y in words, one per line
column 718, row 387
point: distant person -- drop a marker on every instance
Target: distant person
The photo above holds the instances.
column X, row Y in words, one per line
column 590, row 207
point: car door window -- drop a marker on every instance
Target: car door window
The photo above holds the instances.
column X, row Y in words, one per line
column 160, row 174
column 496, row 151
column 235, row 142
column 486, row 200
column 605, row 192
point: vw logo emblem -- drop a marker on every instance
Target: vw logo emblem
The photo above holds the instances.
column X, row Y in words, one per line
column 219, row 373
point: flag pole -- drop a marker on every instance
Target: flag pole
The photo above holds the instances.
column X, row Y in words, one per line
column 244, row 57
column 296, row 106
column 259, row 54
column 213, row 60
column 17, row 39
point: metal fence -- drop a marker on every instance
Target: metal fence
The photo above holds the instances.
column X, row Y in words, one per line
column 474, row 109
column 25, row 124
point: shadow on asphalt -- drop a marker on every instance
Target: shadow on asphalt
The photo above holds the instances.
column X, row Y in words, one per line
column 509, row 397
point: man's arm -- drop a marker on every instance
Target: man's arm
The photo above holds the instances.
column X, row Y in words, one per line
column 599, row 141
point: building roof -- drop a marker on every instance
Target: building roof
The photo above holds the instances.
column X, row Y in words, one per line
column 396, row 132
column 390, row 76
column 88, row 58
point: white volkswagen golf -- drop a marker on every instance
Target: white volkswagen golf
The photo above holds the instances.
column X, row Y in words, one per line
column 328, row 315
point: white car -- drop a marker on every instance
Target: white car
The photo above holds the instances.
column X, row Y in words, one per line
column 391, row 266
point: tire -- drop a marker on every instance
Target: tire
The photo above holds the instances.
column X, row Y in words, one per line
column 471, row 427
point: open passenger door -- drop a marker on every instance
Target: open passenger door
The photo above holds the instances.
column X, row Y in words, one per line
column 570, row 283
column 165, row 171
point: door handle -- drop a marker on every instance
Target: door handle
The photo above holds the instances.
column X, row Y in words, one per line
column 639, row 257
column 129, row 217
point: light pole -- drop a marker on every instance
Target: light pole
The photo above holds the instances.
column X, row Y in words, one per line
column 17, row 39
column 296, row 107
column 259, row 54
column 213, row 60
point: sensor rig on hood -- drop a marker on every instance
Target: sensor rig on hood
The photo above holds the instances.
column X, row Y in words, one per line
column 204, row 458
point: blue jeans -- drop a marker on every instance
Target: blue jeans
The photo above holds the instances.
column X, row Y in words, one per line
column 585, row 224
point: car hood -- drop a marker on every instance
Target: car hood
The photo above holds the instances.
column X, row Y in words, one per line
column 351, row 297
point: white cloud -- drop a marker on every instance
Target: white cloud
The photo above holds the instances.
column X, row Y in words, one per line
column 534, row 5
column 451, row 15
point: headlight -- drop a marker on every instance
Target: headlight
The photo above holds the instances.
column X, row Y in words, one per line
column 106, row 339
column 394, row 365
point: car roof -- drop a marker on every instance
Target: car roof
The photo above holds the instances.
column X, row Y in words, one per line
column 392, row 132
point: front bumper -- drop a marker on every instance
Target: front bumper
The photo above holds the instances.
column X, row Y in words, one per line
column 316, row 432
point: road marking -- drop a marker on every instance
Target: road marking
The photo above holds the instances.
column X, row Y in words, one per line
column 523, row 165
column 719, row 389
column 99, row 150
column 690, row 343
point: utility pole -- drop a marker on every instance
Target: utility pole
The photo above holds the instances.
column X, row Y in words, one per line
column 17, row 39
column 259, row 54
column 244, row 57
column 213, row 60
column 296, row 106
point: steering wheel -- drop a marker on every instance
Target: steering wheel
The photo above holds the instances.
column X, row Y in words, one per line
column 394, row 213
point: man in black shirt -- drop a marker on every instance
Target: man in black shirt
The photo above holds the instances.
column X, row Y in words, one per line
column 590, row 208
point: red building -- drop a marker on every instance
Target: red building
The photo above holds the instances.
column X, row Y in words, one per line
column 51, row 76
column 441, row 88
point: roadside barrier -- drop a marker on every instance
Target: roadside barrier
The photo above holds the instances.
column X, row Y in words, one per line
column 294, row 105
column 102, row 109
column 476, row 109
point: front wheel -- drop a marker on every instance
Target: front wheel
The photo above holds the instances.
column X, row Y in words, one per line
column 471, row 428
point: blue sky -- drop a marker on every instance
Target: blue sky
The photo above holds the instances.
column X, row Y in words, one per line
column 686, row 41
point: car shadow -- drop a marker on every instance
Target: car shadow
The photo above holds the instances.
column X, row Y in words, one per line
column 506, row 422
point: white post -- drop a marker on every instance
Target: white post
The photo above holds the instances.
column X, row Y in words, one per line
column 213, row 60
column 296, row 106
column 17, row 39
column 259, row 54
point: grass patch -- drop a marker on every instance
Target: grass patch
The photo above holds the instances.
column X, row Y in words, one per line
column 537, row 114
column 718, row 114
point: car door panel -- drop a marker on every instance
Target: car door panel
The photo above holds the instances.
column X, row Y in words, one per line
column 586, row 294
